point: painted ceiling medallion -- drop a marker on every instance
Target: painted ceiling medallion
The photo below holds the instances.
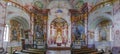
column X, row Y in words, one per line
column 79, row 4
column 59, row 11
column 38, row 4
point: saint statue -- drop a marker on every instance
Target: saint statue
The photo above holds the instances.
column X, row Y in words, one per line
column 59, row 39
column 59, row 36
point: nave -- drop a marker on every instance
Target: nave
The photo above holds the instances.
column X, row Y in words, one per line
column 59, row 26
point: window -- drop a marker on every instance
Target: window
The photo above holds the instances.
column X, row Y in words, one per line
column 6, row 33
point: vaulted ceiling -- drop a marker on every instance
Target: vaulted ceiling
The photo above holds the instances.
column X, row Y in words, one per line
column 45, row 3
column 21, row 7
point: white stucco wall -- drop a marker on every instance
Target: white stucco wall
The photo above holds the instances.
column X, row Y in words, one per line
column 2, row 20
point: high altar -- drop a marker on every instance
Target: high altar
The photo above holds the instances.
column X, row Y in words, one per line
column 66, row 28
column 59, row 28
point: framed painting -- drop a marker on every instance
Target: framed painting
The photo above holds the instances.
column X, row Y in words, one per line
column 40, row 27
column 77, row 28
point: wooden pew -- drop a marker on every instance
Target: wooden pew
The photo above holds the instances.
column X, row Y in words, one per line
column 34, row 51
column 83, row 50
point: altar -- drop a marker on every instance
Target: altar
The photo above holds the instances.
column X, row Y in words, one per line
column 59, row 28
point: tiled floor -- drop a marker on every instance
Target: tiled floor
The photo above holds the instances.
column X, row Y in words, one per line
column 58, row 52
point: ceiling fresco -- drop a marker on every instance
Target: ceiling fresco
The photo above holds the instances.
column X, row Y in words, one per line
column 45, row 3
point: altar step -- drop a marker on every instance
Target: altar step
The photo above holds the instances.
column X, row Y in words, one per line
column 59, row 48
column 58, row 52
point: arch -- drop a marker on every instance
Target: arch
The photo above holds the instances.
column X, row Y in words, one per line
column 21, row 20
column 99, row 15
column 99, row 18
column 17, row 13
column 61, row 20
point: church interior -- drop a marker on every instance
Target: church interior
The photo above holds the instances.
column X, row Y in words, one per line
column 59, row 26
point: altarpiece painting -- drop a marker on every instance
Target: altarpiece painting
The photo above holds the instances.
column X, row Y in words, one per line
column 78, row 30
column 40, row 30
column 15, row 31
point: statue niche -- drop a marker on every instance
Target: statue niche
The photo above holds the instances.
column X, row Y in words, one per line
column 58, row 32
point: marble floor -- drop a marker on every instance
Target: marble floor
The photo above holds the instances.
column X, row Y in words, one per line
column 58, row 52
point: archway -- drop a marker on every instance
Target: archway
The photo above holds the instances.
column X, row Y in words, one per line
column 17, row 26
column 100, row 35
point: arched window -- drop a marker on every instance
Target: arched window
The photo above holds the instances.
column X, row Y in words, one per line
column 6, row 33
